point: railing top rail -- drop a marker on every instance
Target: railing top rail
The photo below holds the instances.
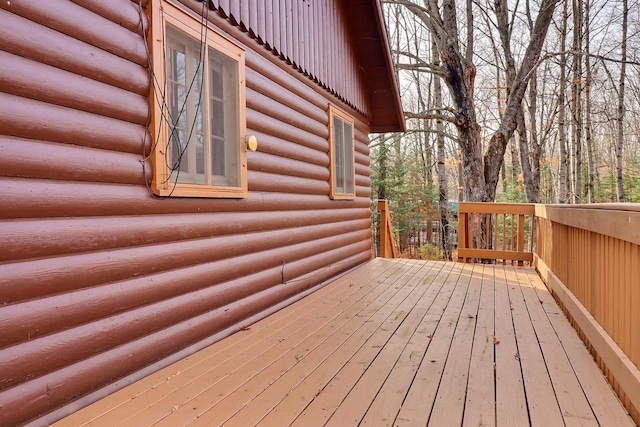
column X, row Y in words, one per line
column 625, row 207
column 497, row 208
column 616, row 223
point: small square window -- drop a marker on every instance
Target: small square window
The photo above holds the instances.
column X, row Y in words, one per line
column 199, row 112
column 342, row 154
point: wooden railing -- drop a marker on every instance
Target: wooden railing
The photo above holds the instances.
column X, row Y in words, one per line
column 589, row 257
column 495, row 231
column 387, row 245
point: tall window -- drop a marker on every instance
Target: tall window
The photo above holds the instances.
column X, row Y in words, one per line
column 342, row 154
column 199, row 114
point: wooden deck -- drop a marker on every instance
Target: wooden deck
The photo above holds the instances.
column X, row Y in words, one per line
column 395, row 342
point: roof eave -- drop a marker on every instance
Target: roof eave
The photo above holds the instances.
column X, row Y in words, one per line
column 382, row 29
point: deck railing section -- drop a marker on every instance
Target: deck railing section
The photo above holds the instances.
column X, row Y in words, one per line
column 589, row 257
column 387, row 244
column 495, row 231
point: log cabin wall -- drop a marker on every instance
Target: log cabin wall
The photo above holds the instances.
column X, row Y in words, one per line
column 100, row 281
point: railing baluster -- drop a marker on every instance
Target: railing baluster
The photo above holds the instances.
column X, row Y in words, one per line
column 495, row 232
column 387, row 247
column 504, row 232
column 520, row 235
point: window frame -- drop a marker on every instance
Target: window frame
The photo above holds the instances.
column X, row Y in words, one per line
column 335, row 112
column 188, row 24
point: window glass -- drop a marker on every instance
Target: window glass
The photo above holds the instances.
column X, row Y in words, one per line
column 342, row 155
column 338, row 137
column 348, row 159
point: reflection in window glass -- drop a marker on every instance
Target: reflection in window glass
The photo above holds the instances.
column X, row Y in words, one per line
column 204, row 137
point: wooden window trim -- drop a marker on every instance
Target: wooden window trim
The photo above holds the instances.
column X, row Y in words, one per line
column 334, row 193
column 162, row 13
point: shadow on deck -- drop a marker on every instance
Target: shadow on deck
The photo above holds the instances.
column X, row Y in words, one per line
column 394, row 342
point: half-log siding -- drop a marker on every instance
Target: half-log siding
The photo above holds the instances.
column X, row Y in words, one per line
column 100, row 281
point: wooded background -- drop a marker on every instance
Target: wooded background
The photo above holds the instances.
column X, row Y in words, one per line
column 518, row 101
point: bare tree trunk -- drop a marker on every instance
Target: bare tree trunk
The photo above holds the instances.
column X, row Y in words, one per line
column 621, row 108
column 460, row 177
column 515, row 161
column 501, row 97
column 576, row 100
column 525, row 158
column 423, row 149
column 587, row 103
column 503, row 175
column 504, row 30
column 442, row 170
column 381, row 191
column 532, row 181
column 536, row 144
column 562, row 112
column 461, row 75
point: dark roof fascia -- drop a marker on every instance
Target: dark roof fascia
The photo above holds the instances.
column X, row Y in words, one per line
column 382, row 29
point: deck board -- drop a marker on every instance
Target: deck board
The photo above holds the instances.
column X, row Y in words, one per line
column 395, row 342
column 448, row 407
column 541, row 399
column 480, row 406
column 511, row 406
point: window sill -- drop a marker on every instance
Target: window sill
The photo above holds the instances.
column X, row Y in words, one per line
column 186, row 190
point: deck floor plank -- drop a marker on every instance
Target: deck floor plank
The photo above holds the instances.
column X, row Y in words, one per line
column 450, row 401
column 299, row 398
column 394, row 342
column 386, row 381
column 303, row 394
column 511, row 406
column 541, row 399
column 387, row 403
column 480, row 405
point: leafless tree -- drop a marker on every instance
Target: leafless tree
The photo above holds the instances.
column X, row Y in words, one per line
column 562, row 110
column 457, row 69
column 587, row 102
column 621, row 106
column 576, row 102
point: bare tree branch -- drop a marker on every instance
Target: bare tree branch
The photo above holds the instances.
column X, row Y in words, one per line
column 431, row 116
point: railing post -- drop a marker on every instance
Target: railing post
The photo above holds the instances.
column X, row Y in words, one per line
column 387, row 250
column 463, row 237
